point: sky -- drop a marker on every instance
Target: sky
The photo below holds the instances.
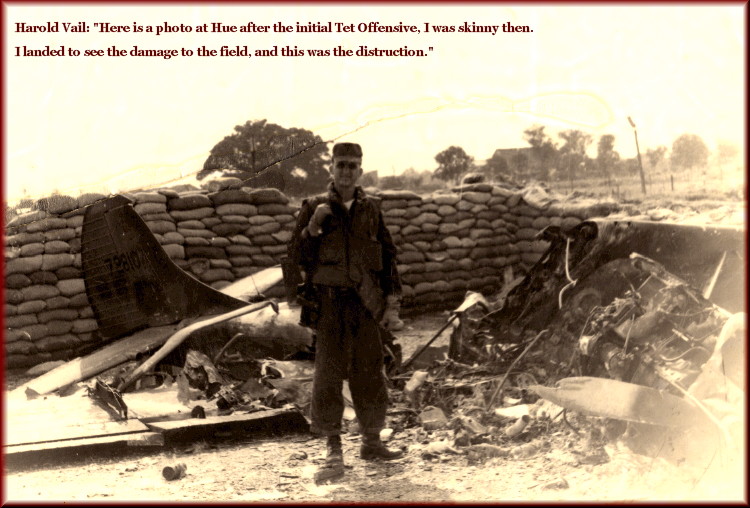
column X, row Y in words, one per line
column 78, row 124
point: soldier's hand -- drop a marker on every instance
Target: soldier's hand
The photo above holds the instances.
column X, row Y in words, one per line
column 391, row 320
column 315, row 226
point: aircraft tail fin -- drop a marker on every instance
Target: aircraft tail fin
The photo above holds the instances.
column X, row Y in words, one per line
column 131, row 282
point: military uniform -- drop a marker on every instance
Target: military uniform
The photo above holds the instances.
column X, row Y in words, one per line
column 352, row 268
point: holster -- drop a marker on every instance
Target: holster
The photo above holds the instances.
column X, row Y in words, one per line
column 292, row 278
column 309, row 303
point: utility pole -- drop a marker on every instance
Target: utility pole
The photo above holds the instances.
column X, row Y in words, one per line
column 640, row 164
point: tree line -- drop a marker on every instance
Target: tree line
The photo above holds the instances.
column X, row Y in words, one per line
column 296, row 160
column 566, row 158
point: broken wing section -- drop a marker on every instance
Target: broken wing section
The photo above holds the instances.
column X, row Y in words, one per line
column 131, row 283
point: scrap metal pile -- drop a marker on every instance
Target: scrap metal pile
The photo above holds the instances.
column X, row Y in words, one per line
column 599, row 329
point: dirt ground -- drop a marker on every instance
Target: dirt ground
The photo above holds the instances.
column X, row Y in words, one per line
column 557, row 466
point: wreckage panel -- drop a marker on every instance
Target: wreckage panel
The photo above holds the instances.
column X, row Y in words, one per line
column 37, row 453
column 624, row 401
column 271, row 420
column 109, row 273
column 57, row 418
column 88, row 366
column 130, row 281
column 691, row 252
column 703, row 256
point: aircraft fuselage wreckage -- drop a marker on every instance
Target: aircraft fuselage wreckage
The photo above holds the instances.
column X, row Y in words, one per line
column 151, row 316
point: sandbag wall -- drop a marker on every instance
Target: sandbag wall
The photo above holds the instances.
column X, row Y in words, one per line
column 220, row 236
column 217, row 237
column 47, row 314
column 469, row 238
column 448, row 242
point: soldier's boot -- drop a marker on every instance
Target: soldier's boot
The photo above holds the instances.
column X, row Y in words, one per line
column 334, row 464
column 373, row 448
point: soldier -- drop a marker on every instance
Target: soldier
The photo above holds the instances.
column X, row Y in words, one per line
column 349, row 259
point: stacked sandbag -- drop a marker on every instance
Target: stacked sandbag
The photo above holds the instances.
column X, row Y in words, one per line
column 234, row 207
column 464, row 239
column 240, row 250
column 202, row 250
column 47, row 314
column 152, row 207
column 229, row 233
column 171, row 240
column 445, row 243
column 270, row 230
column 220, row 183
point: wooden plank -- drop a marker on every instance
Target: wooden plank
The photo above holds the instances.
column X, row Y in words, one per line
column 46, row 431
column 168, row 425
column 27, row 453
column 143, row 438
column 193, row 427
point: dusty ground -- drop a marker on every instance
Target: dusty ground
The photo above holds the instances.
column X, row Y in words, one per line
column 560, row 466
column 264, row 470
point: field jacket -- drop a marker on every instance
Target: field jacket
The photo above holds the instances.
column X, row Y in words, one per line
column 354, row 250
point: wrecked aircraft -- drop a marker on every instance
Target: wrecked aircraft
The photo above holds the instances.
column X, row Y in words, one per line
column 620, row 334
column 142, row 301
column 595, row 285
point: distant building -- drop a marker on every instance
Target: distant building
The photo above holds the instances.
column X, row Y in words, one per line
column 509, row 153
column 521, row 162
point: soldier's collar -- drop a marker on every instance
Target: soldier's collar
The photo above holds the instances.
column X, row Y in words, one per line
column 333, row 194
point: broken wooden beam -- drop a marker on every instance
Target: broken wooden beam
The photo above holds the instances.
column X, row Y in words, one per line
column 34, row 454
column 271, row 420
column 48, row 432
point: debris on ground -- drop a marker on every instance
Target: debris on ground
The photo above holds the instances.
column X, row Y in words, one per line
column 599, row 330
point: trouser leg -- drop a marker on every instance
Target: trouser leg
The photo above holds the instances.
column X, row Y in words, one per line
column 369, row 391
column 367, row 381
column 327, row 405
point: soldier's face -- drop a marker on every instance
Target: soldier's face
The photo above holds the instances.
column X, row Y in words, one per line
column 346, row 171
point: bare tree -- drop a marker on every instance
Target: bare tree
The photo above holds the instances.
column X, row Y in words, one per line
column 543, row 148
column 573, row 150
column 689, row 151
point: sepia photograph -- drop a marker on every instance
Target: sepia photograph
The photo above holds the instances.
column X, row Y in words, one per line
column 392, row 253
